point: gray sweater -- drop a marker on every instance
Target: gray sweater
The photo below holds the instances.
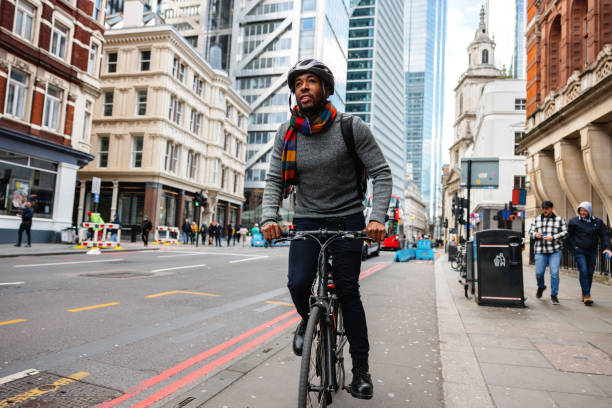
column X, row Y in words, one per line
column 327, row 183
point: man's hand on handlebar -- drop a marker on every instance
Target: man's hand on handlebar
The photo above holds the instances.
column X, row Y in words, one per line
column 376, row 231
column 271, row 231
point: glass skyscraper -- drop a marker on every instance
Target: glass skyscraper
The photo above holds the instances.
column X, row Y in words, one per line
column 517, row 67
column 425, row 32
column 374, row 76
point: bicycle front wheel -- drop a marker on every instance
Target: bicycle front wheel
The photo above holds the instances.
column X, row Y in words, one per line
column 311, row 390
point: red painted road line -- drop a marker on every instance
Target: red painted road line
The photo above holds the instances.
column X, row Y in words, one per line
column 188, row 379
column 371, row 270
column 137, row 389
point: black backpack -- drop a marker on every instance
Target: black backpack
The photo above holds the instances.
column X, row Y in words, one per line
column 346, row 124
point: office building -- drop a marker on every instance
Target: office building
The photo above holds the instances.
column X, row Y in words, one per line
column 374, row 76
column 517, row 66
column 49, row 80
column 166, row 127
column 424, row 69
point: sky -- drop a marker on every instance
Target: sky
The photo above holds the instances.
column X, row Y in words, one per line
column 462, row 21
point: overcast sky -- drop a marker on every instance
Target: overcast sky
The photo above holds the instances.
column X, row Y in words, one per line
column 462, row 21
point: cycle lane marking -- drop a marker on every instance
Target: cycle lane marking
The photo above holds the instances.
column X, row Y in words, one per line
column 249, row 259
column 146, row 384
column 7, row 322
column 178, row 267
column 172, row 292
column 11, row 283
column 82, row 309
column 67, row 263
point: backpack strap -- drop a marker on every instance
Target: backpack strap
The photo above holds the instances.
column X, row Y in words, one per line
column 346, row 125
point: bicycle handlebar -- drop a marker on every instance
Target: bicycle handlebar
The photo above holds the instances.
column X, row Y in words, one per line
column 324, row 233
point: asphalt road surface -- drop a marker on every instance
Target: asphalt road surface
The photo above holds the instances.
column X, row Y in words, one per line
column 121, row 324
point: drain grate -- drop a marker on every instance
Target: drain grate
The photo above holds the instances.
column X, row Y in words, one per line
column 50, row 390
column 117, row 275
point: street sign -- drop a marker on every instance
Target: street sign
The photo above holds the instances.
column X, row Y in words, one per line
column 485, row 172
column 97, row 198
column 95, row 185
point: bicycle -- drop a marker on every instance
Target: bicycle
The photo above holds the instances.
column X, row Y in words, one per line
column 322, row 369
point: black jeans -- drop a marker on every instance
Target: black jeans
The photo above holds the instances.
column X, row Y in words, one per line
column 24, row 226
column 346, row 263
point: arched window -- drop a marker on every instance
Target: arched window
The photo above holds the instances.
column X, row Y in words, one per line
column 554, row 71
column 485, row 56
column 579, row 35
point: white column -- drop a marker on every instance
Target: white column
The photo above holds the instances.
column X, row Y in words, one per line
column 81, row 201
column 114, row 199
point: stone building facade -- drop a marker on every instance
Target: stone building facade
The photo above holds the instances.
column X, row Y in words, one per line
column 568, row 141
column 49, row 81
column 166, row 126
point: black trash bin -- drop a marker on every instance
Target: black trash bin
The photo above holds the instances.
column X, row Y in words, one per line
column 499, row 268
column 469, row 267
column 452, row 252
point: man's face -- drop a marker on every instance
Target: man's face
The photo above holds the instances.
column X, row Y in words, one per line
column 28, row 204
column 546, row 211
column 583, row 213
column 308, row 92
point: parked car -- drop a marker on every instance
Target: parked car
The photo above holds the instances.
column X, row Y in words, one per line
column 370, row 249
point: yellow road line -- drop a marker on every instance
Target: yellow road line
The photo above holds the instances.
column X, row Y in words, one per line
column 37, row 392
column 12, row 321
column 172, row 292
column 279, row 303
column 93, row 307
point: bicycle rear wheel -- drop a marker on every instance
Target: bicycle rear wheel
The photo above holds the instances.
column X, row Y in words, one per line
column 311, row 389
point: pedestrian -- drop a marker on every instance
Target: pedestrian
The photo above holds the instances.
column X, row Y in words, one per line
column 243, row 232
column 582, row 233
column 211, row 233
column 115, row 220
column 255, row 229
column 548, row 230
column 186, row 230
column 230, row 233
column 194, row 232
column 218, row 233
column 26, row 224
column 237, row 234
column 147, row 226
column 203, row 232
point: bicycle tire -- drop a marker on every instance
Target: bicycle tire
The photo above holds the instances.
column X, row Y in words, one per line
column 313, row 363
column 339, row 345
column 454, row 264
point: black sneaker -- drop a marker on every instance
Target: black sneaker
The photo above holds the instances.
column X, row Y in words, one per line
column 298, row 339
column 361, row 386
column 554, row 300
column 540, row 291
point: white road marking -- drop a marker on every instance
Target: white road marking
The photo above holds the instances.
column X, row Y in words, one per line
column 249, row 259
column 18, row 375
column 11, row 283
column 67, row 263
column 178, row 267
column 201, row 253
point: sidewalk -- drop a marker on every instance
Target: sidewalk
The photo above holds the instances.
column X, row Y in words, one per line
column 538, row 356
column 404, row 358
column 10, row 250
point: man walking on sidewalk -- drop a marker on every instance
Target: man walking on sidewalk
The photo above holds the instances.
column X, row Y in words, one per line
column 549, row 230
column 26, row 224
column 583, row 232
column 147, row 226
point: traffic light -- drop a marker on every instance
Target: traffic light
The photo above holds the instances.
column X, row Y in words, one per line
column 199, row 199
column 445, row 223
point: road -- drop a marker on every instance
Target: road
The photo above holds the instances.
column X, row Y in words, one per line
column 130, row 325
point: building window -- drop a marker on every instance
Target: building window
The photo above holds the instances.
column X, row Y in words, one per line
column 103, row 151
column 137, row 142
column 223, row 177
column 309, row 5
column 145, row 60
column 519, row 104
column 111, row 64
column 175, row 65
column 181, row 73
column 192, row 165
column 518, row 136
column 175, row 157
column 179, row 112
column 172, row 110
column 141, row 102
column 227, row 142
column 235, row 182
column 239, row 121
column 108, row 103
column 16, row 95
column 198, row 85
column 307, row 35
column 168, row 156
column 93, row 58
column 220, row 98
column 86, row 120
column 228, row 111
column 53, row 103
column 171, row 157
column 198, row 124
column 59, row 37
column 519, row 182
column 485, row 56
column 97, row 7
column 218, row 133
column 24, row 20
column 238, row 146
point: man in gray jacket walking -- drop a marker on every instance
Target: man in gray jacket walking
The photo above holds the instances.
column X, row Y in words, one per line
column 310, row 153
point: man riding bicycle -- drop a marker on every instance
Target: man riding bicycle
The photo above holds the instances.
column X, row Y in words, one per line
column 310, row 153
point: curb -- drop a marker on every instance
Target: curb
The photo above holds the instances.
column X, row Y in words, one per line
column 74, row 252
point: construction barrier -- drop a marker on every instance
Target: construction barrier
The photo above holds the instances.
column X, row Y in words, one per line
column 167, row 239
column 405, row 255
column 102, row 236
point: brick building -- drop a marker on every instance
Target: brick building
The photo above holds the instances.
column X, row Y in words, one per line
column 568, row 140
column 49, row 62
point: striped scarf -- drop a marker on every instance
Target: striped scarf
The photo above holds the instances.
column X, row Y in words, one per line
column 299, row 123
